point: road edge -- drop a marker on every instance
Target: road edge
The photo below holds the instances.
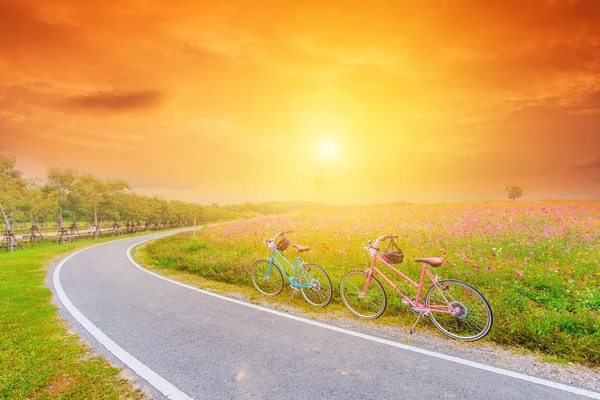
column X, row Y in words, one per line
column 155, row 380
column 500, row 371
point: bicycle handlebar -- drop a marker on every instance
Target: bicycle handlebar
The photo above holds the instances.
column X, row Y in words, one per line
column 386, row 237
column 375, row 246
column 277, row 235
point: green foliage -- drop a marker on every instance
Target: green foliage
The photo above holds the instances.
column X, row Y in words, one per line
column 66, row 193
column 548, row 291
column 197, row 255
column 12, row 187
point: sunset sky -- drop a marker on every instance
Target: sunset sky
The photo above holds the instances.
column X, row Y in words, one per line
column 336, row 101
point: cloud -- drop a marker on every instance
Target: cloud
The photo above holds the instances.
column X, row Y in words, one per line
column 590, row 170
column 22, row 28
column 590, row 166
column 116, row 101
column 432, row 79
column 71, row 137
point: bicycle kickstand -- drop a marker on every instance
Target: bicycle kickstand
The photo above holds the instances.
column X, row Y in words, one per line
column 412, row 330
column 294, row 291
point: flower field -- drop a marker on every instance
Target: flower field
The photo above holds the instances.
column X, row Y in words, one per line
column 537, row 263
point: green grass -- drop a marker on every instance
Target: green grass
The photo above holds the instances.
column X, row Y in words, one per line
column 537, row 263
column 39, row 358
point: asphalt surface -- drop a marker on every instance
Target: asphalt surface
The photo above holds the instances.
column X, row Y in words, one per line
column 210, row 348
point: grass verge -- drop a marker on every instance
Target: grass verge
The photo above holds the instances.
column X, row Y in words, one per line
column 39, row 357
column 196, row 261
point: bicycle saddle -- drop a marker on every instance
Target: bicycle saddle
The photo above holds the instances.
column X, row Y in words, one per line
column 434, row 261
column 301, row 248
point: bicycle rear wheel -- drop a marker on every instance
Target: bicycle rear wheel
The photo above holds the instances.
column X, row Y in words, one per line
column 320, row 290
column 266, row 278
column 369, row 306
column 470, row 316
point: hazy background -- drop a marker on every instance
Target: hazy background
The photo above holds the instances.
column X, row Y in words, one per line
column 342, row 102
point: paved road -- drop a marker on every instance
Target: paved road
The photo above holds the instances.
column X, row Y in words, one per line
column 210, row 348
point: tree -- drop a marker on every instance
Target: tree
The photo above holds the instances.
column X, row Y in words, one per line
column 112, row 201
column 35, row 204
column 12, row 186
column 514, row 192
column 91, row 190
column 60, row 181
column 158, row 210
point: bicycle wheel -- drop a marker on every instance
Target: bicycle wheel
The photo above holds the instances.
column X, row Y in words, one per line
column 369, row 306
column 320, row 290
column 266, row 278
column 471, row 315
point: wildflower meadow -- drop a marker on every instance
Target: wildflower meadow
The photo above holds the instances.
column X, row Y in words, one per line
column 537, row 263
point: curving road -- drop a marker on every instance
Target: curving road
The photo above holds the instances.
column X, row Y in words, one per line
column 185, row 343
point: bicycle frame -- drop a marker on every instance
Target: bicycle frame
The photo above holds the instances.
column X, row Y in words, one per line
column 415, row 305
column 279, row 259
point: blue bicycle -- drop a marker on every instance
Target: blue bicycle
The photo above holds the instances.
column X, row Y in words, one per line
column 311, row 279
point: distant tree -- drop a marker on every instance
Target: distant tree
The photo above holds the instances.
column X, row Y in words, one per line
column 130, row 207
column 113, row 201
column 91, row 190
column 35, row 205
column 117, row 185
column 12, row 186
column 76, row 205
column 60, row 182
column 514, row 192
column 65, row 192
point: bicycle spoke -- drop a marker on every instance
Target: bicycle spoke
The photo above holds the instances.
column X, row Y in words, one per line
column 471, row 317
column 369, row 305
column 266, row 278
column 315, row 285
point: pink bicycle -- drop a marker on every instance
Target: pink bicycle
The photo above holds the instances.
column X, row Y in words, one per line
column 456, row 308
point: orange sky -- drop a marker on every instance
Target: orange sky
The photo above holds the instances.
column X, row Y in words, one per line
column 232, row 101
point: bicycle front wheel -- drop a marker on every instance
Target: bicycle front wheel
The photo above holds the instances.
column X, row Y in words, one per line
column 266, row 278
column 369, row 306
column 320, row 290
column 464, row 313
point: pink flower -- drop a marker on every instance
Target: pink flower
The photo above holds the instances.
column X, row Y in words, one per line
column 519, row 273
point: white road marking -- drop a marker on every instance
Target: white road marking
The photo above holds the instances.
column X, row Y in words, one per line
column 172, row 392
column 161, row 384
column 500, row 371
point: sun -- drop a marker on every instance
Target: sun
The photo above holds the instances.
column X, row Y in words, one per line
column 328, row 149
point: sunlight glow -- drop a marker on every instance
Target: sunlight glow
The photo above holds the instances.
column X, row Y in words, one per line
column 328, row 149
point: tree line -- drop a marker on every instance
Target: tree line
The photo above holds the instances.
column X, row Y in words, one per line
column 65, row 194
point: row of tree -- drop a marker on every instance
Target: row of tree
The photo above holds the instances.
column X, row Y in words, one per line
column 66, row 193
